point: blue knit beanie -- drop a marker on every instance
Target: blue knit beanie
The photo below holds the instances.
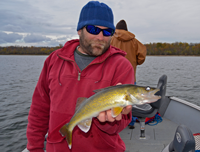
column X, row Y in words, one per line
column 95, row 13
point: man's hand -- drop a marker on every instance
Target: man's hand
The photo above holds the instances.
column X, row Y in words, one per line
column 107, row 116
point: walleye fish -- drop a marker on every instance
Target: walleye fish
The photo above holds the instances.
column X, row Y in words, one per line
column 114, row 98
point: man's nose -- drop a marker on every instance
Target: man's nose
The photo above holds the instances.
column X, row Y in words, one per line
column 100, row 36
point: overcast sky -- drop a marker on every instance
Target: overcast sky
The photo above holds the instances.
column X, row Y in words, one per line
column 53, row 22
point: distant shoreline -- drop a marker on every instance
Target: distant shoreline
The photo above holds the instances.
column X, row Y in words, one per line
column 146, row 55
column 153, row 49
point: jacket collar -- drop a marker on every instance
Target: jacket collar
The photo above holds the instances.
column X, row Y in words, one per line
column 67, row 52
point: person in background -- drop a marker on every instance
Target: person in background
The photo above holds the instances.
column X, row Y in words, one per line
column 126, row 41
column 81, row 66
column 136, row 51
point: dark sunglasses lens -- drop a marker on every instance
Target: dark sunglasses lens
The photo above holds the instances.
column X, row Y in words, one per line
column 95, row 30
column 92, row 29
column 107, row 32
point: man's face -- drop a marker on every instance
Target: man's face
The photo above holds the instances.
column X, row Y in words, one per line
column 94, row 45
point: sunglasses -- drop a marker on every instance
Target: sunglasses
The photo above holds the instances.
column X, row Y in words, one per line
column 95, row 30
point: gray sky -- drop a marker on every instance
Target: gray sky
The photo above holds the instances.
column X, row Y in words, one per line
column 50, row 22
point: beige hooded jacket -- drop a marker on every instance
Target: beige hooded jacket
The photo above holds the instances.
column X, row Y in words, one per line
column 126, row 41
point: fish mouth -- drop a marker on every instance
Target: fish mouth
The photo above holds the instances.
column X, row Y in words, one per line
column 151, row 97
column 153, row 92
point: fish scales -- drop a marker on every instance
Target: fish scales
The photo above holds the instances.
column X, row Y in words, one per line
column 97, row 104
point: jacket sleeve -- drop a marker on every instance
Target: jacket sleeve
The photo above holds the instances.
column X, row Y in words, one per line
column 141, row 53
column 38, row 118
column 125, row 75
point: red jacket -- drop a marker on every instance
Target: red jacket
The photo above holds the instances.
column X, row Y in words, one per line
column 53, row 104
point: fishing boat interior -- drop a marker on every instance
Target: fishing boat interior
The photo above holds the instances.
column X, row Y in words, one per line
column 175, row 130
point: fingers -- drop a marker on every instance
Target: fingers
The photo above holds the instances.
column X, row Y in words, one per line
column 119, row 117
column 119, row 83
column 127, row 109
column 107, row 116
column 102, row 116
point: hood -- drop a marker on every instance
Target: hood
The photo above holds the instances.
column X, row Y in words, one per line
column 123, row 35
column 67, row 52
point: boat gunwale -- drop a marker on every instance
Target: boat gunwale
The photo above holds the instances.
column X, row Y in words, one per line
column 185, row 102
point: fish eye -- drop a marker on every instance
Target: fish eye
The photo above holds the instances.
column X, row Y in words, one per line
column 148, row 88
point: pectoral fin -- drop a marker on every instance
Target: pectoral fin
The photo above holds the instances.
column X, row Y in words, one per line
column 116, row 111
column 85, row 125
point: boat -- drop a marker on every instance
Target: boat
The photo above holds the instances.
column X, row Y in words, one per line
column 180, row 121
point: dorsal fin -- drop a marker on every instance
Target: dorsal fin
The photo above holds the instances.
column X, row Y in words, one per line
column 79, row 101
column 98, row 90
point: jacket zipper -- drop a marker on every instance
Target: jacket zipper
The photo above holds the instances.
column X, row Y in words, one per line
column 79, row 73
column 79, row 76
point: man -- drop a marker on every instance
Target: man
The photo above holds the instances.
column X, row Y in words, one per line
column 74, row 71
column 126, row 41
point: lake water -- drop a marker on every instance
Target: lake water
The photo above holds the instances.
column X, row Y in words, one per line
column 19, row 75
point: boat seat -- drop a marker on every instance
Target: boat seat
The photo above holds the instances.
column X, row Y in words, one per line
column 183, row 141
column 149, row 110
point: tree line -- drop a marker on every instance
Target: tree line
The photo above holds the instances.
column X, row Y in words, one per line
column 177, row 48
column 25, row 50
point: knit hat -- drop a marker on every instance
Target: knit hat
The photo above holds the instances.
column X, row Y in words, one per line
column 95, row 13
column 122, row 25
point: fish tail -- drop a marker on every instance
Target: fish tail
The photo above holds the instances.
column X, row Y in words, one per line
column 68, row 134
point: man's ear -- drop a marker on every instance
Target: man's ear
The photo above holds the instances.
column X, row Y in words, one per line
column 79, row 32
